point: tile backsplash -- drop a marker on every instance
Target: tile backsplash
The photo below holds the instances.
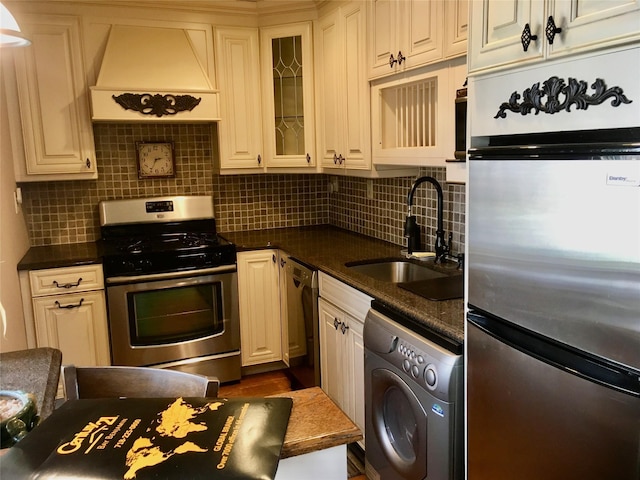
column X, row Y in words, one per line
column 67, row 212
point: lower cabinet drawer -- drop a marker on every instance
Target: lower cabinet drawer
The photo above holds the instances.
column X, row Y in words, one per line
column 351, row 300
column 54, row 281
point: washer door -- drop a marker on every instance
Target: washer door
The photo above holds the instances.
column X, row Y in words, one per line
column 399, row 423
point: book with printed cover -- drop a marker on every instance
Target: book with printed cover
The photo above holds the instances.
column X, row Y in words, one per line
column 145, row 438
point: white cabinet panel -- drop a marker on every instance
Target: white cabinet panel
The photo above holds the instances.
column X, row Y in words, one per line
column 513, row 32
column 65, row 308
column 344, row 140
column 54, row 108
column 75, row 324
column 259, row 296
column 407, row 34
column 286, row 56
column 239, row 79
column 342, row 310
column 56, row 281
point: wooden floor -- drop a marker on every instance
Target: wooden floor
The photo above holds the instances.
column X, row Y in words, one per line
column 261, row 385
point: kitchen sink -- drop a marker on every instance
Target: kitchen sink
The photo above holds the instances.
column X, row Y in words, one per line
column 419, row 279
column 394, row 271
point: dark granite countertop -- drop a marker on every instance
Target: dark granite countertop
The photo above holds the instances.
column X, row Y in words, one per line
column 324, row 247
column 328, row 248
column 55, row 256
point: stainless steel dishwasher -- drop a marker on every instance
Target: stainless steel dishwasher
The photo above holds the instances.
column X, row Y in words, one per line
column 301, row 324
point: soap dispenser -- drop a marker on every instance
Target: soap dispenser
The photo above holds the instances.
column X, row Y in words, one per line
column 412, row 233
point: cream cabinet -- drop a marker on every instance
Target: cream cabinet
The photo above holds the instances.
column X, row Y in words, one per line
column 68, row 310
column 267, row 99
column 406, row 34
column 510, row 32
column 54, row 116
column 342, row 89
column 413, row 117
column 259, row 297
column 240, row 131
column 286, row 59
column 342, row 310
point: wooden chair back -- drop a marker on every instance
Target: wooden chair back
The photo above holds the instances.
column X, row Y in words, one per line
column 117, row 382
column 35, row 371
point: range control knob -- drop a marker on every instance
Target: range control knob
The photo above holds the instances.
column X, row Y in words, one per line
column 430, row 376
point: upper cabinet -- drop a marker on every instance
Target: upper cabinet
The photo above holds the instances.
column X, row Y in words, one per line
column 240, row 131
column 266, row 90
column 412, row 118
column 342, row 89
column 288, row 99
column 50, row 86
column 406, row 34
column 508, row 32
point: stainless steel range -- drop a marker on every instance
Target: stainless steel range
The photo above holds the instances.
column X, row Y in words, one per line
column 172, row 288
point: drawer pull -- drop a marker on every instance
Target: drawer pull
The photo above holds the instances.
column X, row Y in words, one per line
column 68, row 285
column 336, row 323
column 69, row 306
column 344, row 328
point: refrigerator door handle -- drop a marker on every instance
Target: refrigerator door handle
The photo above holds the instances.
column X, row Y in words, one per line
column 564, row 357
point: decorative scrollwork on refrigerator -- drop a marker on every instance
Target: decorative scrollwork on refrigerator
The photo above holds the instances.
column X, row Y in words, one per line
column 556, row 96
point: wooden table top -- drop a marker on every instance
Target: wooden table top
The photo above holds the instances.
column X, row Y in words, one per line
column 316, row 423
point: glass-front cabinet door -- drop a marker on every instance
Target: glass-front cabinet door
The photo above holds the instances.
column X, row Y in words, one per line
column 287, row 76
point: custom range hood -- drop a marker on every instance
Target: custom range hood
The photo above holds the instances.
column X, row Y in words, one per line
column 152, row 74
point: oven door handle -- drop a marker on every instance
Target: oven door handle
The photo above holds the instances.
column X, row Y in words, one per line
column 172, row 275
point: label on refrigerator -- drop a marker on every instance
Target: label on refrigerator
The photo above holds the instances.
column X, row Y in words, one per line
column 621, row 180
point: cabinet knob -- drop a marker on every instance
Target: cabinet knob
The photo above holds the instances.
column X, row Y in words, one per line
column 70, row 306
column 335, row 159
column 401, row 58
column 259, row 159
column 273, row 257
column 336, row 323
column 67, row 285
column 344, row 328
column 526, row 37
column 308, row 158
column 340, row 159
column 88, row 163
column 551, row 30
column 282, row 262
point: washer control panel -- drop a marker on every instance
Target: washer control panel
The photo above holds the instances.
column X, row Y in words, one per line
column 429, row 365
column 416, row 363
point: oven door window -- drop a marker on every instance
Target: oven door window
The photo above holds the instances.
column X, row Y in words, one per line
column 176, row 314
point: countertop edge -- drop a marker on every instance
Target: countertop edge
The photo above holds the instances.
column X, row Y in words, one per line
column 316, row 423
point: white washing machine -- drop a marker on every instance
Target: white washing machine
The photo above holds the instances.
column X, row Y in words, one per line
column 414, row 401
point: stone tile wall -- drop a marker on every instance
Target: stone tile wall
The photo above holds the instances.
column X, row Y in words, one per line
column 67, row 212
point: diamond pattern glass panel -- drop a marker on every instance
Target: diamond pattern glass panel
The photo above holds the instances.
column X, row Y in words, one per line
column 288, row 98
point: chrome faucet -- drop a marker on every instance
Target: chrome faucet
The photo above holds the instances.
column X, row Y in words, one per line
column 412, row 229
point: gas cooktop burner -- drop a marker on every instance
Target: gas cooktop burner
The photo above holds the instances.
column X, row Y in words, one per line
column 134, row 246
column 166, row 242
column 189, row 240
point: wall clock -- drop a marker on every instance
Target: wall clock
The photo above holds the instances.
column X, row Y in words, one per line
column 155, row 160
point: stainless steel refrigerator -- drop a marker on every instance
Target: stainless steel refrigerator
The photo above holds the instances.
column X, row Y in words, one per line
column 553, row 339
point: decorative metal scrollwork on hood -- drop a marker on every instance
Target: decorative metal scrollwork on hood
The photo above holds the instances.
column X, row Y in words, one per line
column 547, row 99
column 156, row 104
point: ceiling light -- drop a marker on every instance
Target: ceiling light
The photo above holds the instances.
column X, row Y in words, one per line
column 10, row 35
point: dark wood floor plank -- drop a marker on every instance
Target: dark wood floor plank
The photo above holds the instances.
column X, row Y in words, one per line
column 258, row 385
